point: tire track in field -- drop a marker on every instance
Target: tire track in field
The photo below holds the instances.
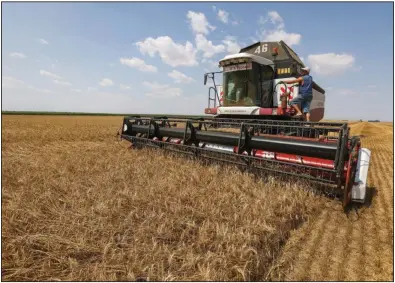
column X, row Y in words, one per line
column 382, row 176
column 382, row 245
column 325, row 250
column 379, row 215
column 377, row 235
column 383, row 180
column 336, row 256
column 352, row 270
column 347, row 250
column 312, row 240
column 294, row 243
column 360, row 246
column 310, row 264
column 371, row 245
column 385, row 212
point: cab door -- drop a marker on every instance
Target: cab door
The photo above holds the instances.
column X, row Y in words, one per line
column 266, row 86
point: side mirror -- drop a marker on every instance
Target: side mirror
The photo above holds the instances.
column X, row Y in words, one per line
column 205, row 79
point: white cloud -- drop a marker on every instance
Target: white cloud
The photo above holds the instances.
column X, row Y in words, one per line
column 43, row 41
column 138, row 64
column 125, row 87
column 277, row 31
column 179, row 77
column 263, row 20
column 10, row 82
column 91, row 88
column 171, row 53
column 235, row 22
column 277, row 35
column 49, row 74
column 59, row 82
column 18, row 55
column 214, row 8
column 13, row 83
column 199, row 23
column 39, row 89
column 162, row 91
column 302, row 58
column 223, row 16
column 55, row 78
column 208, row 48
column 372, row 86
column 276, row 19
column 330, row 63
column 76, row 90
column 106, row 82
column 231, row 44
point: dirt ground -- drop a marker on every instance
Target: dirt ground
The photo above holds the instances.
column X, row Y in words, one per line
column 77, row 205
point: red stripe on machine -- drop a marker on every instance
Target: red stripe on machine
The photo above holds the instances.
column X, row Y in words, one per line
column 210, row 111
column 311, row 161
column 265, row 111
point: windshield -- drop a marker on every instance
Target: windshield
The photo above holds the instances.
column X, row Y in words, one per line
column 240, row 86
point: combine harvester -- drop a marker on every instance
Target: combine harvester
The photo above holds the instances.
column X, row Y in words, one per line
column 268, row 139
column 254, row 88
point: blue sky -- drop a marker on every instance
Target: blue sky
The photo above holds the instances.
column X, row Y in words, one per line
column 151, row 57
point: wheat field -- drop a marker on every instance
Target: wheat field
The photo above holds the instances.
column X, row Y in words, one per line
column 77, row 205
column 357, row 247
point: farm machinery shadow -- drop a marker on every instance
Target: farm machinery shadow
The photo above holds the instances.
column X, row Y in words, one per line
column 371, row 192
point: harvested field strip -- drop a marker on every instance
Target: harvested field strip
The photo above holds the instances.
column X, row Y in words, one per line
column 362, row 244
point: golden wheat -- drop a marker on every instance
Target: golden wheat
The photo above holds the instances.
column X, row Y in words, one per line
column 78, row 205
column 355, row 247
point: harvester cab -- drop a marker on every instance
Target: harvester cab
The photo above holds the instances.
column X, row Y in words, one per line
column 253, row 84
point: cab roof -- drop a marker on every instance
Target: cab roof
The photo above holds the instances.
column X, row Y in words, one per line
column 264, row 49
column 244, row 57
